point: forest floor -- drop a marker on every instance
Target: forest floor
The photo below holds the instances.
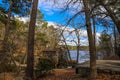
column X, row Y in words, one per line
column 60, row 74
column 66, row 74
column 69, row 74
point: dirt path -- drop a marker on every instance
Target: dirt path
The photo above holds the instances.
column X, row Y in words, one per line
column 61, row 74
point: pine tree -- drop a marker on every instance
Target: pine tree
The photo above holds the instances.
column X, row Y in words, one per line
column 30, row 51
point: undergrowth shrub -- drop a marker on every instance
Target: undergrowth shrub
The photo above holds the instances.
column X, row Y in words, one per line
column 7, row 68
column 62, row 63
column 44, row 66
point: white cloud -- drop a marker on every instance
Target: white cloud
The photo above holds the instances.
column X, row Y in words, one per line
column 24, row 19
column 72, row 36
column 48, row 6
column 69, row 37
column 58, row 5
column 52, row 24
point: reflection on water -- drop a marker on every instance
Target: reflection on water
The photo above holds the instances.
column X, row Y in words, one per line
column 83, row 55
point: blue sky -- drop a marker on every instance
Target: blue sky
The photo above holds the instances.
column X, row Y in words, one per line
column 54, row 16
column 52, row 13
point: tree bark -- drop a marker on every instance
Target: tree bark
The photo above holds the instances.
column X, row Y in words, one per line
column 78, row 44
column 115, row 40
column 94, row 34
column 68, row 51
column 78, row 47
column 91, row 41
column 30, row 50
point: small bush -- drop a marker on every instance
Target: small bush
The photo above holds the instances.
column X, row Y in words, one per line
column 7, row 68
column 62, row 63
column 43, row 67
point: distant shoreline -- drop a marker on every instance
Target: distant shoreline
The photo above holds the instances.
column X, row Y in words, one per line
column 81, row 48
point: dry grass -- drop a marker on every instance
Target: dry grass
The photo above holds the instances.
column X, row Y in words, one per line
column 108, row 77
column 6, row 76
column 65, row 74
column 60, row 74
column 69, row 74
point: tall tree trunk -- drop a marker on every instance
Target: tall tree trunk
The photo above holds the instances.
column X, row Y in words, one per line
column 78, row 47
column 115, row 41
column 91, row 41
column 30, row 50
column 66, row 46
column 94, row 34
column 78, row 44
column 111, row 14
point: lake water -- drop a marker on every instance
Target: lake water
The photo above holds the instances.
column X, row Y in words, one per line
column 83, row 55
